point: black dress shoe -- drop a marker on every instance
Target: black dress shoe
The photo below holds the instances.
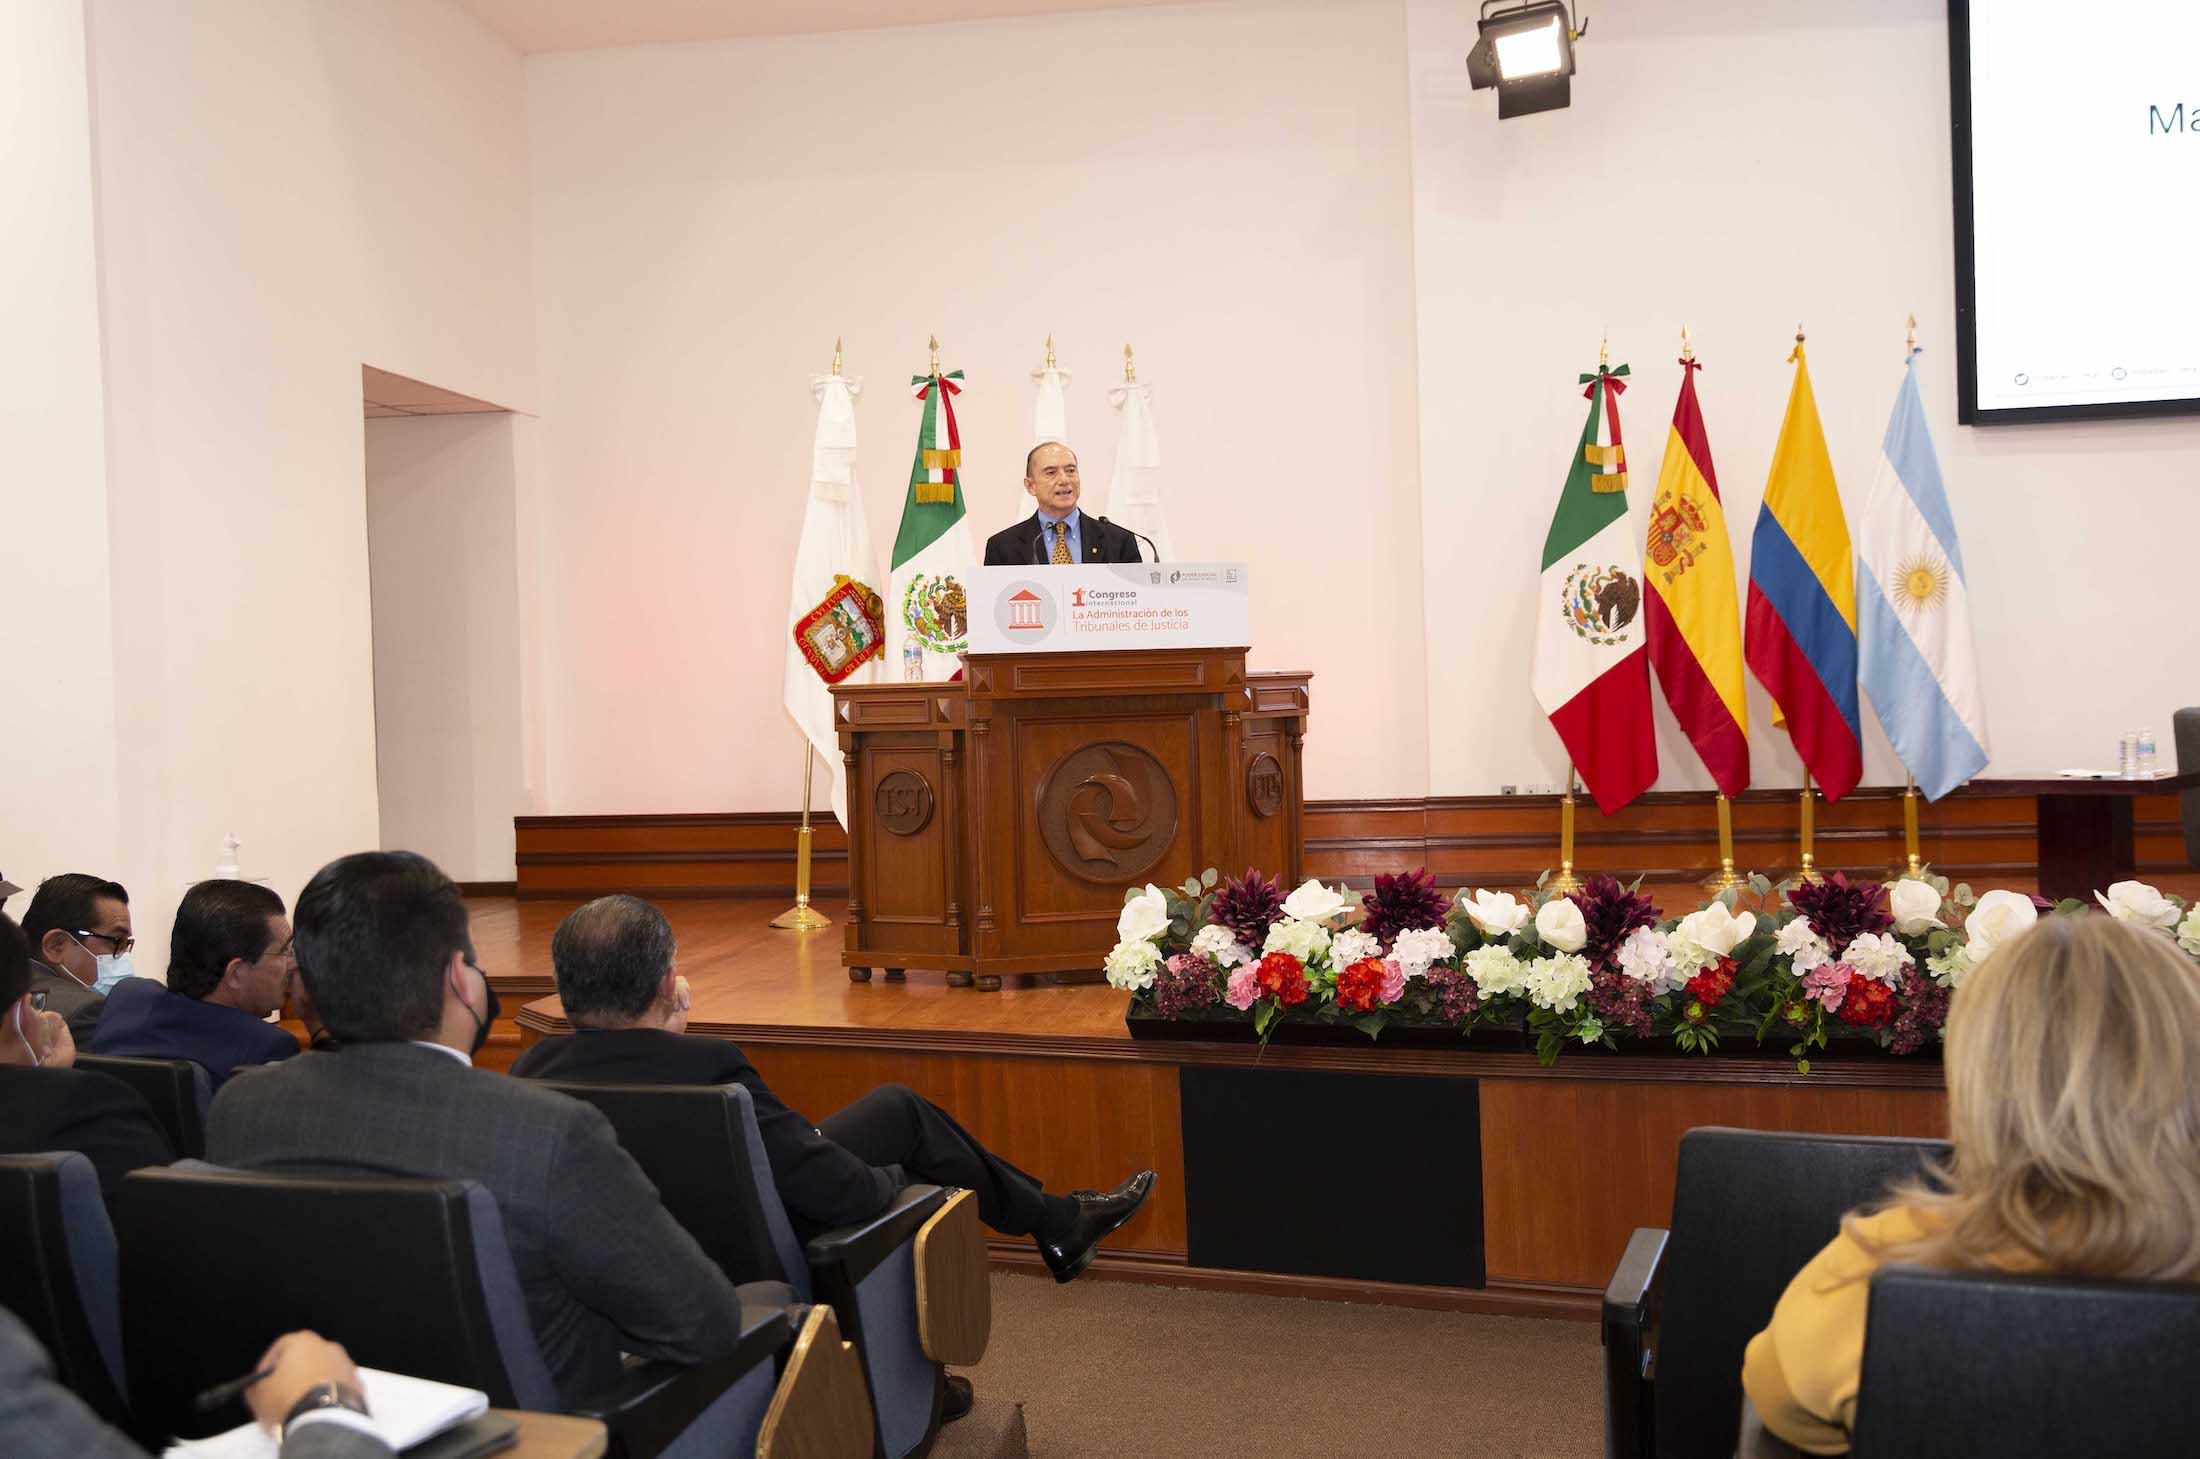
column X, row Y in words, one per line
column 1098, row 1213
column 956, row 1396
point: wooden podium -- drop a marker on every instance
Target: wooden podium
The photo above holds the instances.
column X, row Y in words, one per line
column 995, row 822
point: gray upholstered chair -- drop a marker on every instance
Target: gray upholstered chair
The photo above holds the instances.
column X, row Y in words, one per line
column 59, row 1275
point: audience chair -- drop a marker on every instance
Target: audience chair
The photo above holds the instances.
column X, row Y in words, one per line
column 1749, row 1209
column 177, row 1089
column 1966, row 1365
column 2185, row 725
column 413, row 1276
column 58, row 1274
column 699, row 1145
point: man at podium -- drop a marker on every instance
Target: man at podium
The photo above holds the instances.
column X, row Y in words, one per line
column 1058, row 534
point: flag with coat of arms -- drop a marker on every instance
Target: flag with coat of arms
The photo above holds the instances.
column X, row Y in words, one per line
column 927, row 605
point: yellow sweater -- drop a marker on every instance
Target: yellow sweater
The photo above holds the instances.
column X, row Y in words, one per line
column 1801, row 1372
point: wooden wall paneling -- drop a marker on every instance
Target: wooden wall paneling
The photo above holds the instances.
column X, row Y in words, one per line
column 1572, row 1167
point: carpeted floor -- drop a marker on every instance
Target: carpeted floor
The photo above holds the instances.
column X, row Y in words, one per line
column 1115, row 1369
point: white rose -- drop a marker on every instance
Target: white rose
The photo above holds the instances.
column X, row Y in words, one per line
column 2188, row 932
column 1351, row 945
column 1305, row 941
column 2135, row 901
column 1145, row 916
column 1916, row 906
column 1559, row 923
column 1421, row 949
column 1878, row 957
column 1647, row 958
column 1495, row 971
column 1802, row 944
column 1557, row 983
column 1498, row 914
column 1715, row 929
column 1998, row 917
column 1314, row 902
column 1131, row 966
column 1216, row 943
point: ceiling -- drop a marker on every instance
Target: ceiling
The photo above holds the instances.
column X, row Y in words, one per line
column 387, row 395
column 579, row 25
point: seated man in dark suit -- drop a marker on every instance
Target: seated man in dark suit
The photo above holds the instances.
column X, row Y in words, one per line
column 385, row 952
column 229, row 960
column 79, row 931
column 1058, row 534
column 45, row 1105
column 614, row 963
column 311, row 1394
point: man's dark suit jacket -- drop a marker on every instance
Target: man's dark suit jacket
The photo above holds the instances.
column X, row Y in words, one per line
column 821, row 1184
column 604, row 1267
column 78, row 1005
column 39, row 1416
column 96, row 1115
column 1020, row 544
column 145, row 1020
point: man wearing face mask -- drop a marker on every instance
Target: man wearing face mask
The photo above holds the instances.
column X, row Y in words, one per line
column 47, row 1105
column 79, row 931
column 229, row 961
column 386, row 956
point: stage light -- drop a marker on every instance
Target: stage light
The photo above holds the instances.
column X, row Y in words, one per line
column 1526, row 51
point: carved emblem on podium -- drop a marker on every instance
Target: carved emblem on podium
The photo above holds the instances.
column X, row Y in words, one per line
column 903, row 802
column 1264, row 785
column 1107, row 811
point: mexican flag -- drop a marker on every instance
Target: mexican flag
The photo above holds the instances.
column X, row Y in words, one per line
column 927, row 606
column 1592, row 664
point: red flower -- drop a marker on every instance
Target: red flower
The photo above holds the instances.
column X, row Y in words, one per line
column 1360, row 986
column 1868, row 1003
column 1283, row 978
column 1713, row 983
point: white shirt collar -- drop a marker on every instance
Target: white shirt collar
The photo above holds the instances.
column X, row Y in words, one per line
column 441, row 1049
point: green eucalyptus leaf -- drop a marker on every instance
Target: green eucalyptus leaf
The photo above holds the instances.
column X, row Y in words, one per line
column 1209, row 877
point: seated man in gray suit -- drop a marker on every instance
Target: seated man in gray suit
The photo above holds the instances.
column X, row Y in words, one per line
column 384, row 949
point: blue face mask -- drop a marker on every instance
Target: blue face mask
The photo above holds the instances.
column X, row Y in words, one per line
column 112, row 970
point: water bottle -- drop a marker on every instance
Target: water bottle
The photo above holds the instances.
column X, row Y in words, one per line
column 2146, row 754
column 2127, row 755
column 912, row 661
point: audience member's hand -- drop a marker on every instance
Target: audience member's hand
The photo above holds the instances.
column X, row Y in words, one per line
column 56, row 1045
column 683, row 998
column 300, row 1360
column 299, row 1005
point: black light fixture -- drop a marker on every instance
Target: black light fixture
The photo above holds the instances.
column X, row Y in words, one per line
column 1526, row 51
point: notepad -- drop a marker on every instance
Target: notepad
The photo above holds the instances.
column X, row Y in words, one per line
column 403, row 1410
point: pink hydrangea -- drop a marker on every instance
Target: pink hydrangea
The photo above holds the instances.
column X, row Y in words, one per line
column 1244, row 988
column 1827, row 984
column 1394, row 981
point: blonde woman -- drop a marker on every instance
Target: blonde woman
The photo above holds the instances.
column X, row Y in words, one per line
column 2073, row 1070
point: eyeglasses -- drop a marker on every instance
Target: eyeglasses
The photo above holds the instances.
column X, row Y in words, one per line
column 120, row 944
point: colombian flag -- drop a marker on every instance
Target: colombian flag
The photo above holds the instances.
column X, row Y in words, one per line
column 1802, row 599
column 1694, row 614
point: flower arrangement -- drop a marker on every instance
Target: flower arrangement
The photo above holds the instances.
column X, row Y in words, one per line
column 1797, row 963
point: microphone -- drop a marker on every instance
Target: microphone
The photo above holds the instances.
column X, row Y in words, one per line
column 1135, row 533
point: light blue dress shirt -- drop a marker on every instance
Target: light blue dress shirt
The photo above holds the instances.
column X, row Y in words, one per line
column 1072, row 524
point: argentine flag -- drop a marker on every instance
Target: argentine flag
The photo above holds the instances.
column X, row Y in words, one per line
column 1916, row 656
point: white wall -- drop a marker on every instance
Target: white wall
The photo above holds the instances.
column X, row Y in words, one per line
column 283, row 193
column 1740, row 167
column 57, row 713
column 443, row 556
column 1224, row 185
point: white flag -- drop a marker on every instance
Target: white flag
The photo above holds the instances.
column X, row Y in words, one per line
column 1134, row 488
column 1050, row 412
column 836, row 539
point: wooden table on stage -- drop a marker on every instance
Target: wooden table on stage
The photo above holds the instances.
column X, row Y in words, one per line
column 995, row 822
column 2084, row 826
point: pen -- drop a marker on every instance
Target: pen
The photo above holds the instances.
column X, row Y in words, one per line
column 222, row 1393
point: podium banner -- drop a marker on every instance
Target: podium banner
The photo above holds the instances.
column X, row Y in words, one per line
column 1117, row 605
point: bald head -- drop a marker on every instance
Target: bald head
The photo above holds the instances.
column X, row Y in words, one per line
column 1050, row 475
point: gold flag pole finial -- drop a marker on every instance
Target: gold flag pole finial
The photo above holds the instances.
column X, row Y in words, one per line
column 1604, row 352
column 1050, row 351
column 934, row 341
column 1909, row 346
column 1688, row 351
column 1798, row 331
column 836, row 354
column 1130, row 366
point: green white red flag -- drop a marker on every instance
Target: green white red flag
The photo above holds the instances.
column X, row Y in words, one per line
column 927, row 605
column 1592, row 665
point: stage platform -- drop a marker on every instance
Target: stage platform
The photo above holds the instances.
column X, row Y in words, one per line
column 1432, row 1176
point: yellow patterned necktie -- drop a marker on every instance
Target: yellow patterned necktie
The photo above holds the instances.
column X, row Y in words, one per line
column 1061, row 544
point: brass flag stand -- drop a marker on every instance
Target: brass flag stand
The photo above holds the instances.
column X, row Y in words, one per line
column 1915, row 864
column 1725, row 877
column 1566, row 882
column 1808, row 872
column 802, row 917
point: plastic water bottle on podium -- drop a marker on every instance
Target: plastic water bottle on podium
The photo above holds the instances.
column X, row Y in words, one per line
column 912, row 661
column 2147, row 758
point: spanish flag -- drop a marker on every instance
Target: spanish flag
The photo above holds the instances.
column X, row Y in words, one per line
column 1801, row 640
column 1693, row 608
